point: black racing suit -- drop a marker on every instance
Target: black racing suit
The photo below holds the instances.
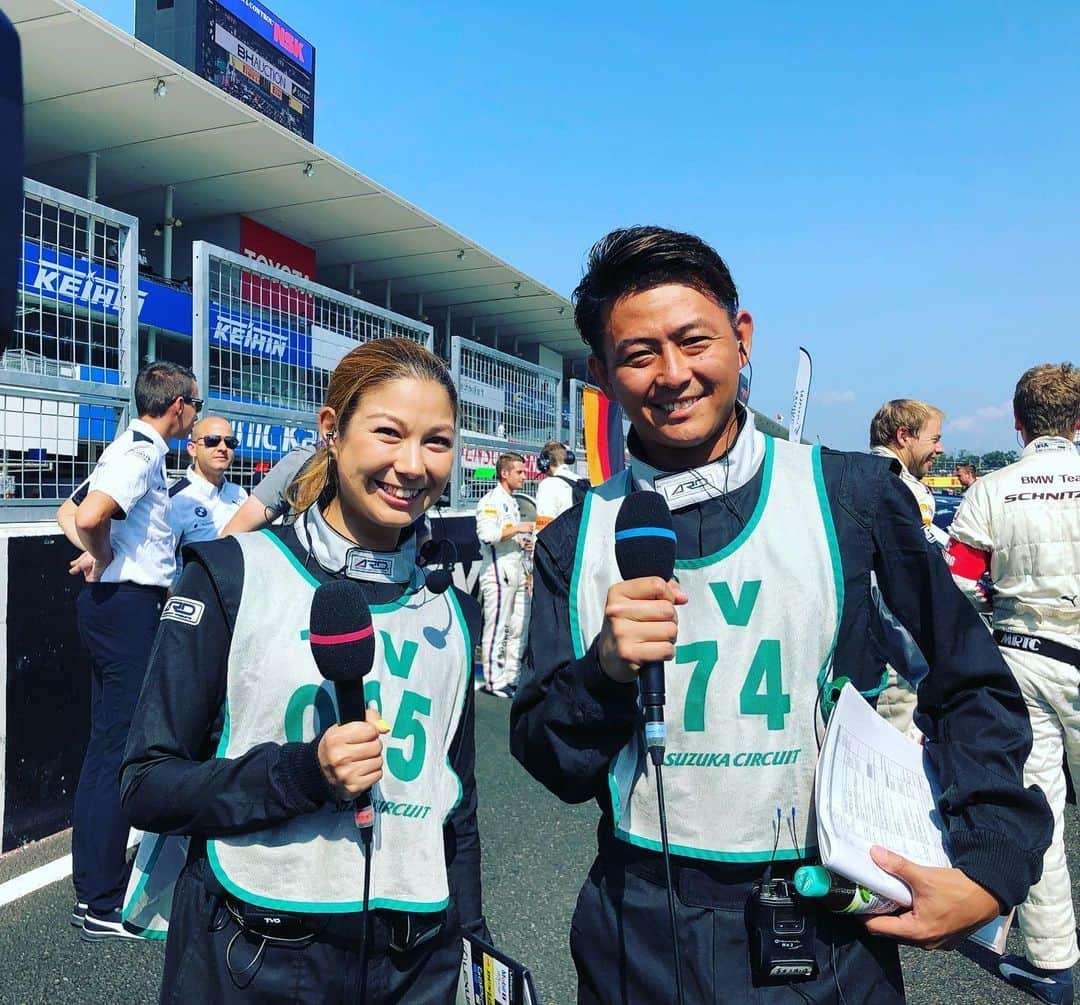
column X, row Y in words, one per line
column 173, row 784
column 569, row 720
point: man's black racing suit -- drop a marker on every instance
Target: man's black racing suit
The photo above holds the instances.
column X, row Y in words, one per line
column 569, row 720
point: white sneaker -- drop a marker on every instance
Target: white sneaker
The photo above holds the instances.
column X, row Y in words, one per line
column 99, row 927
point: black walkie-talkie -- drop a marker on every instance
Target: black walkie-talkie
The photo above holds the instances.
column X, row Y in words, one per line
column 781, row 934
column 780, row 926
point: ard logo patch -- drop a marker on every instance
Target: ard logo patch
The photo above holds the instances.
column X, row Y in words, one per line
column 187, row 612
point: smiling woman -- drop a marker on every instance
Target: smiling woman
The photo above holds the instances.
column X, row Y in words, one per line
column 299, row 896
column 388, row 426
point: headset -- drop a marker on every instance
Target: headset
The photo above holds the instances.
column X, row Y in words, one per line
column 545, row 460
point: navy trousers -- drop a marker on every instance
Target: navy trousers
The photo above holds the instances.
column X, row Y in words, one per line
column 620, row 939
column 117, row 623
column 209, row 960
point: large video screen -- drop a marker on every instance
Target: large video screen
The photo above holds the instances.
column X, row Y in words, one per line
column 247, row 51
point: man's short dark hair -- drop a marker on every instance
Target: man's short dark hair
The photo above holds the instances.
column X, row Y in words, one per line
column 636, row 259
column 159, row 385
column 969, row 468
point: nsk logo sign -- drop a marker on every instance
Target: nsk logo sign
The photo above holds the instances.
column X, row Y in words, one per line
column 244, row 335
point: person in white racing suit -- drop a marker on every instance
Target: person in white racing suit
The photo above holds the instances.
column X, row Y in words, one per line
column 1021, row 524
column 505, row 547
column 909, row 432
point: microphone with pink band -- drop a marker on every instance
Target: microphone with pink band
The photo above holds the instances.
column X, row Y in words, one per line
column 342, row 640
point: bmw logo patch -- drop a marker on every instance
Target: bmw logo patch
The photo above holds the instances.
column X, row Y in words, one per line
column 200, row 511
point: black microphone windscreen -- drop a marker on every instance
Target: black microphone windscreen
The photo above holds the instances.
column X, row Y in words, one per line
column 342, row 637
column 644, row 537
column 439, row 581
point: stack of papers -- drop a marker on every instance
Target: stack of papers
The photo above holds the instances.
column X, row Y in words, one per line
column 872, row 788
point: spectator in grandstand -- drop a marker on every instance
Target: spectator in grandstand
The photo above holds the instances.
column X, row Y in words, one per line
column 1021, row 524
column 965, row 473
column 203, row 500
column 908, row 433
column 119, row 515
column 505, row 545
column 561, row 485
column 235, row 743
column 775, row 542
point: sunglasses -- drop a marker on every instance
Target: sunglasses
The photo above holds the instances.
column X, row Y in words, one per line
column 213, row 439
column 195, row 403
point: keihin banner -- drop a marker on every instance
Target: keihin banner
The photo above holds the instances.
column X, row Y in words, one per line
column 256, row 336
column 59, row 278
column 248, row 51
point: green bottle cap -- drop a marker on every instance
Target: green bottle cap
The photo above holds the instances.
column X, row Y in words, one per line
column 812, row 881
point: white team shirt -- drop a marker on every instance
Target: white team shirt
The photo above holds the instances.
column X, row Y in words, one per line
column 199, row 509
column 131, row 471
column 554, row 496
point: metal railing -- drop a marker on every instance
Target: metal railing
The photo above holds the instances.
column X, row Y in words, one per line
column 504, row 404
column 265, row 342
column 268, row 340
column 67, row 378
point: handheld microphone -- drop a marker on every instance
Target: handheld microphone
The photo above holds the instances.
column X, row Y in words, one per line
column 645, row 546
column 342, row 640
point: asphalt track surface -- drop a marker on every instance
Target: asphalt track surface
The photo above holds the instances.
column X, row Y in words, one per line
column 536, row 853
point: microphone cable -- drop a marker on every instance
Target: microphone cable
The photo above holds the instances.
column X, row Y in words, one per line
column 656, row 755
column 365, row 941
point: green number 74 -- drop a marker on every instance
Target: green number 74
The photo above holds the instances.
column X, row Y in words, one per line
column 773, row 703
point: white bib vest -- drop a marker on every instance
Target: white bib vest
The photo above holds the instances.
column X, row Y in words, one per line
column 755, row 644
column 315, row 862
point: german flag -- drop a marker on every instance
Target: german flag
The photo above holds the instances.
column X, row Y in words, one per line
column 603, row 435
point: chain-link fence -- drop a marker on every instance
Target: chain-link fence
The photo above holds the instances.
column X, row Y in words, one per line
column 264, row 345
column 67, row 377
column 504, row 404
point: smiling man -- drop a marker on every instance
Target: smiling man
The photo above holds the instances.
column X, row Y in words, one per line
column 770, row 610
column 909, row 431
column 204, row 500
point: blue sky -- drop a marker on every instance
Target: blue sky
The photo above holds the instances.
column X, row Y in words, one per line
column 894, row 189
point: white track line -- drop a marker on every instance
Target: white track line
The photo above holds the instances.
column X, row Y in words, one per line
column 45, row 875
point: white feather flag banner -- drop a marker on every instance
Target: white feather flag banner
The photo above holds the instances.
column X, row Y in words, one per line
column 799, row 397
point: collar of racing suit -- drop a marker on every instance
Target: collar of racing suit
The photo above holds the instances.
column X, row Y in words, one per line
column 916, row 485
column 339, row 555
column 1048, row 444
column 695, row 485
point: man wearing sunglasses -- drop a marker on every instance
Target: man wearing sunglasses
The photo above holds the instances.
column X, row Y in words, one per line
column 204, row 499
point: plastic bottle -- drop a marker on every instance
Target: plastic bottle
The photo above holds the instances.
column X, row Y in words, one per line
column 838, row 894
